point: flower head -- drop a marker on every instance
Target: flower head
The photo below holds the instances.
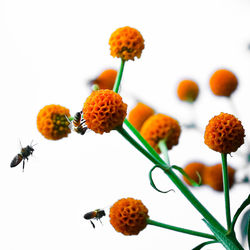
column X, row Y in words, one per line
column 161, row 127
column 188, row 91
column 194, row 169
column 223, row 82
column 128, row 216
column 104, row 111
column 212, row 177
column 52, row 123
column 224, row 133
column 106, row 79
column 139, row 114
column 126, row 43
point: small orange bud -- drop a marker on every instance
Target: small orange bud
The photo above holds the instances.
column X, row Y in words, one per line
column 193, row 170
column 158, row 127
column 223, row 82
column 139, row 114
column 126, row 43
column 104, row 111
column 128, row 216
column 224, row 133
column 188, row 90
column 212, row 176
column 106, row 79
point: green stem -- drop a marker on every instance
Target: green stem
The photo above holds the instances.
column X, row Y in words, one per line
column 143, row 141
column 127, row 136
column 163, row 147
column 119, row 77
column 226, row 188
column 193, row 200
column 180, row 229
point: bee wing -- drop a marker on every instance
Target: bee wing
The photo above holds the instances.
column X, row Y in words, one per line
column 70, row 123
column 17, row 159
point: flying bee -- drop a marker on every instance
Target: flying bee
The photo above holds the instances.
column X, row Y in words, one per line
column 96, row 215
column 78, row 124
column 22, row 156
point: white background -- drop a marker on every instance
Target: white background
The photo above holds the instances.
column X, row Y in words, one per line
column 48, row 51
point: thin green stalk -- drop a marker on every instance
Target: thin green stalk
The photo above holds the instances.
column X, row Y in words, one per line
column 143, row 141
column 186, row 192
column 127, row 136
column 226, row 189
column 163, row 147
column 119, row 77
column 180, row 229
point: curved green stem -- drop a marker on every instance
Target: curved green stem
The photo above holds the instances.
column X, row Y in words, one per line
column 119, row 77
column 226, row 189
column 180, row 229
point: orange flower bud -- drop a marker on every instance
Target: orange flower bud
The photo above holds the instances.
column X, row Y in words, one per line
column 126, row 43
column 139, row 114
column 224, row 133
column 212, row 176
column 192, row 170
column 158, row 127
column 106, row 79
column 104, row 111
column 52, row 123
column 223, row 82
column 188, row 90
column 128, row 216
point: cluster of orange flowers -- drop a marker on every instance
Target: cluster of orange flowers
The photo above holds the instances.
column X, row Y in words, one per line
column 104, row 111
column 210, row 175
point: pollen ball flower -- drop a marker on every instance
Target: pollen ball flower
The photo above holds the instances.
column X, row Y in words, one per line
column 161, row 127
column 224, row 133
column 104, row 111
column 212, row 177
column 139, row 114
column 223, row 82
column 52, row 123
column 106, row 79
column 188, row 91
column 126, row 43
column 192, row 170
column 128, row 216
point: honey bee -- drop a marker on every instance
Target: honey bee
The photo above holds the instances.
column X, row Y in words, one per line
column 22, row 156
column 96, row 215
column 77, row 119
column 78, row 124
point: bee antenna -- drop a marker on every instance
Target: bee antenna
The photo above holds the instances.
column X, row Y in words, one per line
column 20, row 144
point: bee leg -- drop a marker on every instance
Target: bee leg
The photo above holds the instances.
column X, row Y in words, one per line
column 92, row 223
column 23, row 165
column 100, row 221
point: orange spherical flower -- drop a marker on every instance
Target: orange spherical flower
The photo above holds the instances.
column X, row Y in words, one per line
column 212, row 177
column 224, row 133
column 139, row 114
column 158, row 127
column 194, row 170
column 126, row 43
column 104, row 111
column 128, row 216
column 187, row 90
column 106, row 79
column 52, row 123
column 223, row 82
